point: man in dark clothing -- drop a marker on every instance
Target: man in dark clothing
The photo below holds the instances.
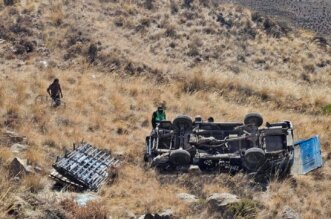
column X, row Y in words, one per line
column 158, row 116
column 54, row 90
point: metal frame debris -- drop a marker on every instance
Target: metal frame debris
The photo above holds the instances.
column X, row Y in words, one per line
column 86, row 167
column 308, row 155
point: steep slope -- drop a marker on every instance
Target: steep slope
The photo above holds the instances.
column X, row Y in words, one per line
column 117, row 60
column 310, row 14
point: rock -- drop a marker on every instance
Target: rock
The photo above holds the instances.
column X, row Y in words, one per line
column 187, row 198
column 146, row 216
column 219, row 201
column 194, row 169
column 9, row 137
column 167, row 214
column 18, row 148
column 83, row 199
column 38, row 169
column 130, row 215
column 43, row 64
column 290, row 213
column 156, row 216
column 18, row 167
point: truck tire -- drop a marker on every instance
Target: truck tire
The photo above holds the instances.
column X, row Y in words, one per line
column 254, row 159
column 180, row 157
column 185, row 121
column 253, row 119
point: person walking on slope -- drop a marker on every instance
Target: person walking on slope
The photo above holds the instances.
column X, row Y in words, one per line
column 158, row 116
column 54, row 90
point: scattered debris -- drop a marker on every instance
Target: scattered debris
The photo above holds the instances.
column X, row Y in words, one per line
column 187, row 198
column 85, row 167
column 219, row 201
column 307, row 155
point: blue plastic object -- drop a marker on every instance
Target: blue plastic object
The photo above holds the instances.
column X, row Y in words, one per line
column 308, row 155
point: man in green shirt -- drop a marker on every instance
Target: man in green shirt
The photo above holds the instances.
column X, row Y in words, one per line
column 158, row 116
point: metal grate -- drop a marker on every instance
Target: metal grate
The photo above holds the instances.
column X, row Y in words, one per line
column 85, row 166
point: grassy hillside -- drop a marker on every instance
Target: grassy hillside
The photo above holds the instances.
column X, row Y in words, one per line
column 310, row 14
column 117, row 60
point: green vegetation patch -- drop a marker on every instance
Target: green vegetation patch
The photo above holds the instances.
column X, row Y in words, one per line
column 326, row 109
column 246, row 208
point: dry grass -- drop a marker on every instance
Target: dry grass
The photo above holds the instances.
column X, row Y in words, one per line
column 33, row 183
column 182, row 58
column 5, row 155
column 91, row 210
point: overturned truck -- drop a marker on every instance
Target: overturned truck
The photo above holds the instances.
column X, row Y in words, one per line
column 225, row 147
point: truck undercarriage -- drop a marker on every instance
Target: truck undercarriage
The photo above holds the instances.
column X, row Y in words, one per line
column 223, row 147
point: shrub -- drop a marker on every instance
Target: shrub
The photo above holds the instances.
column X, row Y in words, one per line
column 246, row 208
column 8, row 2
column 119, row 21
column 228, row 23
column 149, row 4
column 50, row 143
column 205, row 3
column 187, row 3
column 12, row 118
column 174, row 7
column 170, row 31
column 327, row 109
column 193, row 51
column 5, row 155
column 309, row 68
column 257, row 17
